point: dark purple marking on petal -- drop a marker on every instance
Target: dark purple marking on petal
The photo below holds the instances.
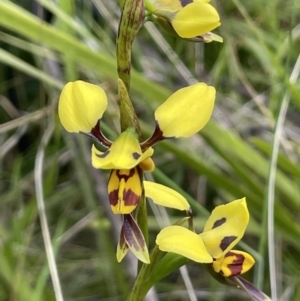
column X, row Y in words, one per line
column 136, row 156
column 122, row 241
column 185, row 2
column 125, row 177
column 236, row 266
column 105, row 154
column 130, row 198
column 128, row 234
column 226, row 241
column 113, row 197
column 219, row 222
column 131, row 229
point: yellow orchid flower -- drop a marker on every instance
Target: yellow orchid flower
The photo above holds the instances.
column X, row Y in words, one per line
column 81, row 107
column 184, row 113
column 223, row 230
column 188, row 19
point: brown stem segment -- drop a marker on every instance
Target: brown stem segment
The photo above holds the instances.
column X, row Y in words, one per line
column 156, row 137
column 99, row 136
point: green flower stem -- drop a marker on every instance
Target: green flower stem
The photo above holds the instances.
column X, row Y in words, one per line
column 141, row 285
column 132, row 18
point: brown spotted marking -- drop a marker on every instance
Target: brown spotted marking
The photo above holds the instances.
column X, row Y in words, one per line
column 226, row 241
column 219, row 222
column 136, row 155
column 129, row 197
column 236, row 266
column 113, row 197
column 185, row 2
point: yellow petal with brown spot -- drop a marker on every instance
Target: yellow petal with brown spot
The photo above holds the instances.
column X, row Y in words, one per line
column 124, row 190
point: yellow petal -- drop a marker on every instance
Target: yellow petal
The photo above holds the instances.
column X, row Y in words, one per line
column 124, row 190
column 225, row 227
column 80, row 106
column 165, row 196
column 179, row 240
column 125, row 153
column 186, row 111
column 147, row 165
column 195, row 19
column 233, row 263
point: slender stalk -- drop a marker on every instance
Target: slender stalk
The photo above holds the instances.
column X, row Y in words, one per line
column 271, row 181
column 141, row 285
column 132, row 19
column 38, row 172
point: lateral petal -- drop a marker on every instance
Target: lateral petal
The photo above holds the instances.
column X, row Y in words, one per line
column 180, row 240
column 225, row 227
column 195, row 19
column 165, row 196
column 186, row 111
column 80, row 106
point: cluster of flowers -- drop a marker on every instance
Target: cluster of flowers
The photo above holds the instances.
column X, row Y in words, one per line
column 184, row 113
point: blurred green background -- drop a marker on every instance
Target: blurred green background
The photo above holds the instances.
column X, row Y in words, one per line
column 47, row 172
